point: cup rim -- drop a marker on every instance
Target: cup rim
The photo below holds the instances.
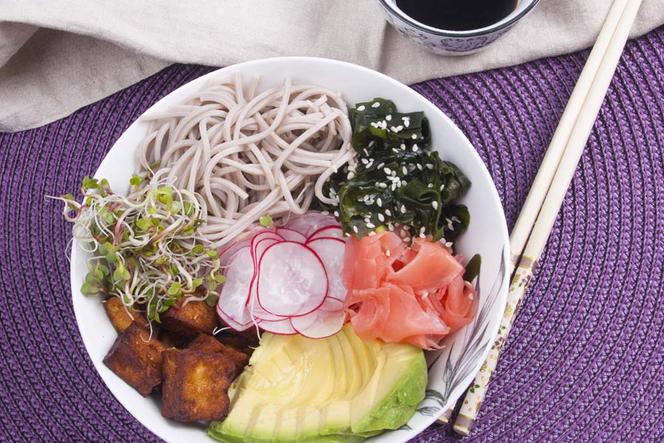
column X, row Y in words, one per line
column 502, row 24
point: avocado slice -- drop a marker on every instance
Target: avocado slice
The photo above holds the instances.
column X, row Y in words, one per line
column 335, row 389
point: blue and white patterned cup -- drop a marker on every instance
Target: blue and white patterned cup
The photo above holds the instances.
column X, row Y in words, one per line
column 446, row 42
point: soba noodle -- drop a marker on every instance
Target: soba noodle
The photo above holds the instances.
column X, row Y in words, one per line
column 247, row 154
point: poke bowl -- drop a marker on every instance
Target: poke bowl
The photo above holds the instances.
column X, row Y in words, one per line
column 451, row 363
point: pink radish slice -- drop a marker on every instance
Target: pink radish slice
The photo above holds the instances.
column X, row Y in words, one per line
column 252, row 301
column 289, row 234
column 323, row 322
column 291, row 280
column 226, row 255
column 328, row 231
column 258, row 312
column 232, row 323
column 310, row 222
column 283, row 327
column 235, row 291
column 331, row 251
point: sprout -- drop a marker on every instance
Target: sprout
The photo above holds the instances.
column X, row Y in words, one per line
column 146, row 246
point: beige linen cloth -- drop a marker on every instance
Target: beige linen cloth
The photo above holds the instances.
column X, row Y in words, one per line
column 59, row 55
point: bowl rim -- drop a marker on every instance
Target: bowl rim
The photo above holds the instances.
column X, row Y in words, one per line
column 117, row 387
column 505, row 23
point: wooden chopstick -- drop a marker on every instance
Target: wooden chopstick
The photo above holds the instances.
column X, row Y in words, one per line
column 535, row 222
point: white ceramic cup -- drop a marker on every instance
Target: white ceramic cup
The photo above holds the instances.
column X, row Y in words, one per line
column 447, row 42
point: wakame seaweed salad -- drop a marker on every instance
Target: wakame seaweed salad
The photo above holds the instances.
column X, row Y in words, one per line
column 397, row 181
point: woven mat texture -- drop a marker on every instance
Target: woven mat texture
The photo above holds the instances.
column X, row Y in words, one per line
column 584, row 360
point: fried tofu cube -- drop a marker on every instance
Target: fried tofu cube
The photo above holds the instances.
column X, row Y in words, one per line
column 245, row 341
column 173, row 340
column 195, row 385
column 189, row 319
column 207, row 343
column 120, row 318
column 136, row 358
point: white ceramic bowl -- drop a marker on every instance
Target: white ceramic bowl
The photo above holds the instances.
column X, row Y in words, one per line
column 456, row 366
column 447, row 42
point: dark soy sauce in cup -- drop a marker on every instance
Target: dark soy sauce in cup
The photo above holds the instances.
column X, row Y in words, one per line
column 457, row 15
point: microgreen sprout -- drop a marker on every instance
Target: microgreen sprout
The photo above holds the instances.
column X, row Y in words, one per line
column 145, row 246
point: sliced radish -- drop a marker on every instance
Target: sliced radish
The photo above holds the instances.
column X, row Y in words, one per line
column 331, row 251
column 310, row 222
column 283, row 326
column 257, row 310
column 232, row 323
column 292, row 235
column 323, row 322
column 227, row 255
column 291, row 280
column 235, row 291
column 328, row 231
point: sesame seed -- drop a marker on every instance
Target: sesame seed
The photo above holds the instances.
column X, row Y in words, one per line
column 381, row 217
column 372, row 233
column 406, row 121
column 404, row 170
column 422, row 230
column 380, row 165
column 442, row 186
column 390, row 226
column 430, row 185
column 346, row 234
column 404, row 182
column 414, row 136
column 388, row 212
column 388, row 117
column 415, row 148
column 374, row 124
column 450, row 226
column 371, row 143
column 375, row 104
column 379, row 202
column 387, row 170
column 370, row 225
column 399, row 128
column 406, row 239
column 456, row 219
column 355, row 229
column 350, row 175
column 393, row 187
column 387, row 252
column 336, row 213
column 325, row 212
column 403, row 146
column 361, row 108
column 422, row 236
column 381, row 185
column 434, row 204
column 395, row 150
column 365, row 152
column 403, row 209
column 420, row 167
column 429, row 166
column 394, row 129
column 364, row 161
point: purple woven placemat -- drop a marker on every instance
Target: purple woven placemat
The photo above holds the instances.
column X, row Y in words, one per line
column 584, row 361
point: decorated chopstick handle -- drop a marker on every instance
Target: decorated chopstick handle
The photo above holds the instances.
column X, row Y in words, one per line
column 471, row 404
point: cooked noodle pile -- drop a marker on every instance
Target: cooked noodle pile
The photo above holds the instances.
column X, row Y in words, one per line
column 247, row 154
